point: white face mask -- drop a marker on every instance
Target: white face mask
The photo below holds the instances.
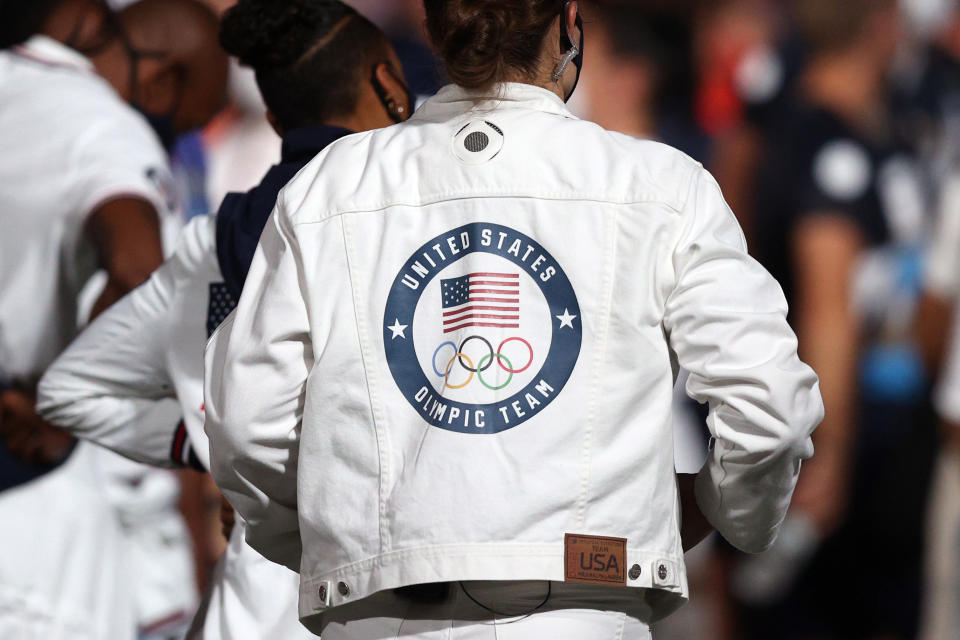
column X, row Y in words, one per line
column 925, row 17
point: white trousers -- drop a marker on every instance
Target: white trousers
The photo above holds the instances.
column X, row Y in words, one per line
column 467, row 612
column 157, row 549
column 250, row 598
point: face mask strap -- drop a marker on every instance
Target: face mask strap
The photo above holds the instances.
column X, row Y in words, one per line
column 569, row 57
column 574, row 52
column 113, row 28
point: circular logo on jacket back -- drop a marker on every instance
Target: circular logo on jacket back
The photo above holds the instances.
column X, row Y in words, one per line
column 481, row 329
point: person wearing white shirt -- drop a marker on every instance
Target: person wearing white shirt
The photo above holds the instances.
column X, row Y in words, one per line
column 84, row 184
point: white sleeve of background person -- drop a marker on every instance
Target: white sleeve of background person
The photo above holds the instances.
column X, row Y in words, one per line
column 118, row 156
column 943, row 259
column 726, row 321
column 256, row 371
column 111, row 385
column 123, row 159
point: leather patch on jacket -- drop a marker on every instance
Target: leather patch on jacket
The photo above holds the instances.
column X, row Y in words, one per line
column 595, row 559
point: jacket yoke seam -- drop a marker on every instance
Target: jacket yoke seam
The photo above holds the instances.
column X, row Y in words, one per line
column 485, row 196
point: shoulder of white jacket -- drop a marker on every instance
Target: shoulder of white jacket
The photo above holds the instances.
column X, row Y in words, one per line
column 196, row 246
column 661, row 164
column 652, row 151
column 347, row 153
column 643, row 169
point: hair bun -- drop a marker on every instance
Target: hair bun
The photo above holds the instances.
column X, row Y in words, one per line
column 487, row 41
column 276, row 33
column 473, row 49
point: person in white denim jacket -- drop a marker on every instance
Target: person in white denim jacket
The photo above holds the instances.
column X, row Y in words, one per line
column 453, row 359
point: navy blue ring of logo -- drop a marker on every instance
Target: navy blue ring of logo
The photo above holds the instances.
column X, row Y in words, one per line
column 398, row 339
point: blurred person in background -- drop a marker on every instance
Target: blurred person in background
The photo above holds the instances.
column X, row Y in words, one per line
column 240, row 144
column 403, row 21
column 641, row 75
column 939, row 332
column 236, row 143
column 928, row 108
column 749, row 57
column 85, row 184
column 840, row 219
column 325, row 72
column 929, row 104
column 623, row 69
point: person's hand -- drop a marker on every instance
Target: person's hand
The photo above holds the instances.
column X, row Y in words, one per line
column 695, row 527
column 822, row 490
column 26, row 435
column 227, row 518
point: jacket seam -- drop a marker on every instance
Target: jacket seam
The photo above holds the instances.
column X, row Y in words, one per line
column 454, row 197
column 601, row 352
column 383, row 443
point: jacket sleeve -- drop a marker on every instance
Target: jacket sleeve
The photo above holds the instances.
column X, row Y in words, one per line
column 726, row 322
column 256, row 372
column 111, row 385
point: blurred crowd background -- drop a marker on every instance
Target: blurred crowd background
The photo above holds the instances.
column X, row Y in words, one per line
column 833, row 127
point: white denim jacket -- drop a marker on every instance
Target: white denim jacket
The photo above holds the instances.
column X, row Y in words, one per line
column 127, row 380
column 457, row 344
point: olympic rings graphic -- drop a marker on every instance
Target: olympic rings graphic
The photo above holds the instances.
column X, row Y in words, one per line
column 484, row 382
column 455, row 350
column 511, row 369
column 477, row 370
column 446, row 378
column 480, row 367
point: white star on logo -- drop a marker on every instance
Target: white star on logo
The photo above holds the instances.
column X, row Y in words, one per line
column 566, row 320
column 398, row 329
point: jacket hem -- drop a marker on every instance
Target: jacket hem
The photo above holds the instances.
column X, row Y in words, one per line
column 448, row 563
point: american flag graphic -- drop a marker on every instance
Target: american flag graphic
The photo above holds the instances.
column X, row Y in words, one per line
column 481, row 300
column 219, row 307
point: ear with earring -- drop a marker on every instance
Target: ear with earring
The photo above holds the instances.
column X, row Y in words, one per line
column 397, row 111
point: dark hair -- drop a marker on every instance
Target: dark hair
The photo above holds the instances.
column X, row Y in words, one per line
column 483, row 42
column 827, row 26
column 20, row 19
column 310, row 56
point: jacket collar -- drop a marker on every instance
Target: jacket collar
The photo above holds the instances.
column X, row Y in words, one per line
column 453, row 100
column 306, row 142
column 242, row 216
column 48, row 51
